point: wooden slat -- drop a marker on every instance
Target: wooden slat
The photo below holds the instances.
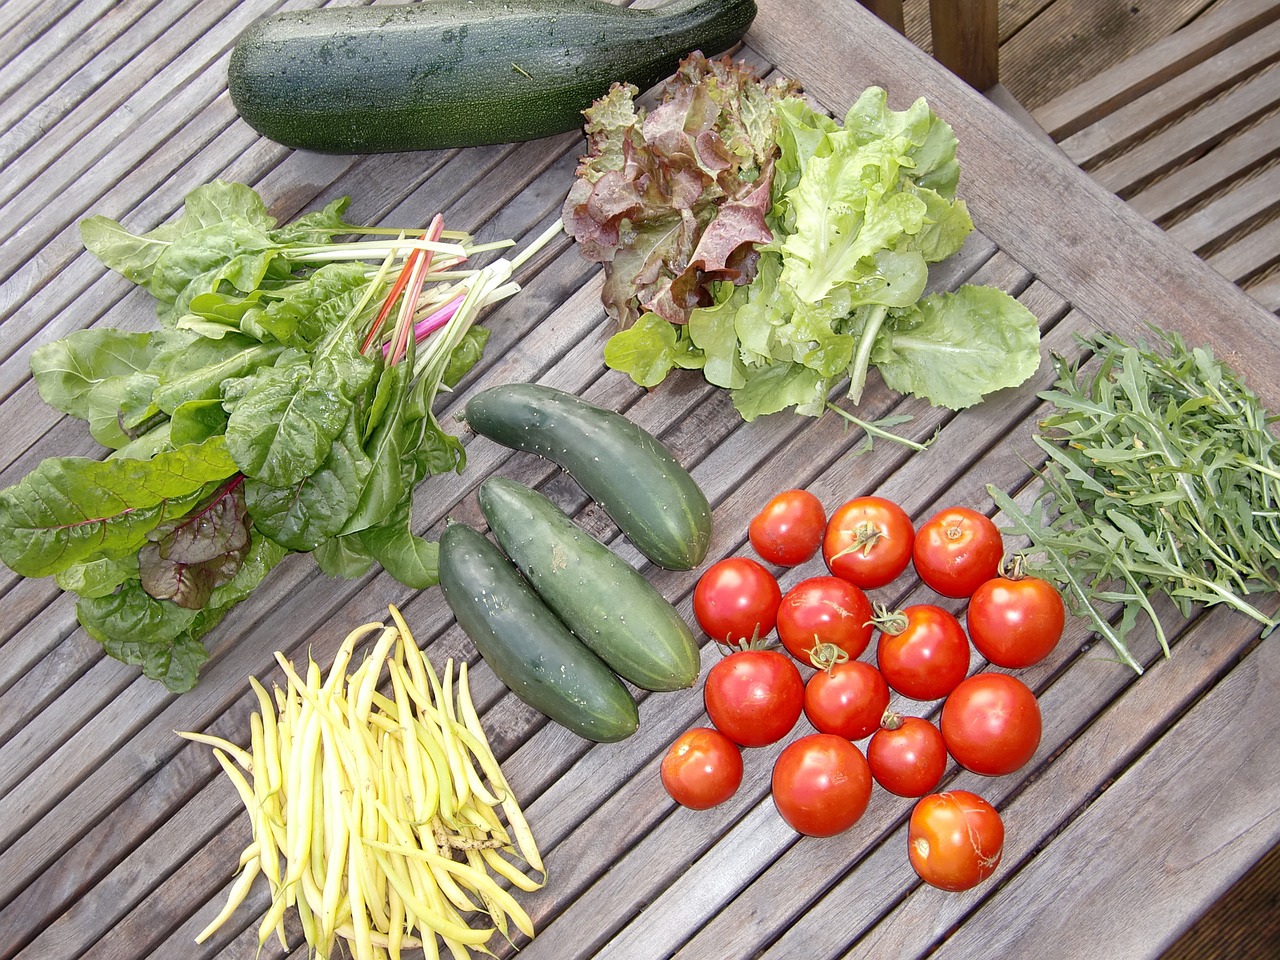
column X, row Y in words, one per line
column 890, row 11
column 1226, row 23
column 1069, row 40
column 1193, row 134
column 1251, row 254
column 1240, row 64
column 1187, row 186
column 1267, row 291
column 1244, row 203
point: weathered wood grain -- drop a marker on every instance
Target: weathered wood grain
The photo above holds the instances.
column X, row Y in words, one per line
column 117, row 838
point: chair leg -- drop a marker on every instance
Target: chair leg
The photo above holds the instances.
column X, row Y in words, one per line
column 890, row 11
column 966, row 39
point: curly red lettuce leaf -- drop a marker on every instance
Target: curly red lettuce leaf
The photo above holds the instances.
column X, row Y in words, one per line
column 674, row 199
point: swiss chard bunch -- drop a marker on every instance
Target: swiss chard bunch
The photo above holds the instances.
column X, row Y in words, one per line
column 779, row 251
column 283, row 405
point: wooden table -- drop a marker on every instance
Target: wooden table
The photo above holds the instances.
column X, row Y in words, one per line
column 1147, row 798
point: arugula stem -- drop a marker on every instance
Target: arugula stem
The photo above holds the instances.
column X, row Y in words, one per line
column 876, row 431
column 862, row 358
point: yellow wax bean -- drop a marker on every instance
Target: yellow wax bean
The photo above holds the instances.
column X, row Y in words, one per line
column 239, row 890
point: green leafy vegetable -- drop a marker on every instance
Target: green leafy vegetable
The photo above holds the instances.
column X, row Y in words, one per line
column 1162, row 477
column 746, row 235
column 284, row 405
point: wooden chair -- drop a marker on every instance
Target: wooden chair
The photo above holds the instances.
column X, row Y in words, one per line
column 1186, row 130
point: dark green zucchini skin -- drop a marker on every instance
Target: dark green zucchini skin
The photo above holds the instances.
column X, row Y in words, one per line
column 650, row 496
column 458, row 73
column 604, row 600
column 529, row 649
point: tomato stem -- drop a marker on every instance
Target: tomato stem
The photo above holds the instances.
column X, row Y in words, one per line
column 892, row 622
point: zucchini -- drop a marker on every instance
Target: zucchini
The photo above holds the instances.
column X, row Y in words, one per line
column 653, row 500
column 604, row 600
column 524, row 643
column 458, row 73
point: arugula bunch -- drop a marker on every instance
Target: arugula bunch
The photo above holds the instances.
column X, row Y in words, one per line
column 283, row 405
column 1161, row 477
column 746, row 235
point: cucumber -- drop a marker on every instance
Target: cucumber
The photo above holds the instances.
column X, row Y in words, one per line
column 653, row 500
column 604, row 600
column 524, row 643
column 458, row 73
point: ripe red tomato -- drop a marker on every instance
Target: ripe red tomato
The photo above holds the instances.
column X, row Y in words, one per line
column 821, row 784
column 788, row 531
column 1016, row 622
column 991, row 723
column 736, row 599
column 957, row 550
column 868, row 541
column 754, row 697
column 702, row 768
column 907, row 756
column 824, row 610
column 923, row 651
column 848, row 699
column 954, row 839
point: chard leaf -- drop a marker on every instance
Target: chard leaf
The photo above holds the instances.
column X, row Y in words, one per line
column 70, row 509
column 320, row 226
column 186, row 558
column 285, row 418
column 97, row 578
column 196, row 421
column 344, row 557
column 198, row 370
column 303, row 516
column 138, row 629
column 229, row 252
column 136, row 256
column 67, row 372
column 412, row 560
column 954, row 348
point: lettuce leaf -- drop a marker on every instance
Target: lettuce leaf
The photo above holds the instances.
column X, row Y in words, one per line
column 780, row 301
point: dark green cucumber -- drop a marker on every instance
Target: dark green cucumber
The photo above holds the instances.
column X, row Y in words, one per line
column 650, row 496
column 526, row 645
column 604, row 600
column 457, row 73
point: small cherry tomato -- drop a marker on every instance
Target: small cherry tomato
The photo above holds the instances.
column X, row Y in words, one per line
column 736, row 599
column 954, row 839
column 788, row 531
column 753, row 696
column 821, row 784
column 1015, row 622
column 824, row 610
column 868, row 542
column 848, row 699
column 907, row 756
column 991, row 723
column 923, row 651
column 956, row 550
column 702, row 768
